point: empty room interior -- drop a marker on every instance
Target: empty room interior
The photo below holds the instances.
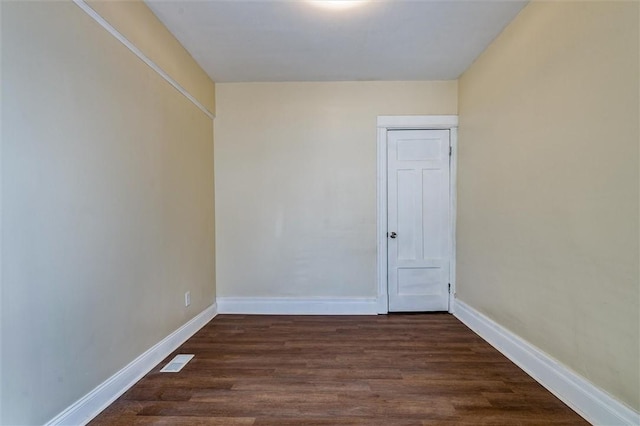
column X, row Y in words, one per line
column 342, row 212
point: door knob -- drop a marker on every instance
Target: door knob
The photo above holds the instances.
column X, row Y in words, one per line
column 393, row 235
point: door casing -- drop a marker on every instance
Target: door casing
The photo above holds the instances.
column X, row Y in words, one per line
column 417, row 122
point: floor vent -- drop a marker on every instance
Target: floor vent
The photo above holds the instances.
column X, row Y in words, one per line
column 177, row 363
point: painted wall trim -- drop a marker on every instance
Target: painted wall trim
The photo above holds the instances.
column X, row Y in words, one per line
column 430, row 122
column 90, row 405
column 417, row 121
column 381, row 225
column 297, row 306
column 107, row 26
column 453, row 214
column 585, row 398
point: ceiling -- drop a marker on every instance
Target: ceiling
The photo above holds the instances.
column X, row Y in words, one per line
column 295, row 40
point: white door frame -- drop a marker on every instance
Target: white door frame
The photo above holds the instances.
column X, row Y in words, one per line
column 417, row 122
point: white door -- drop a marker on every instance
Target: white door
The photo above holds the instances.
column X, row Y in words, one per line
column 418, row 220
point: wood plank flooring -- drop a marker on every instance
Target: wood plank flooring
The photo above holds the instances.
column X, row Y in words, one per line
column 426, row 369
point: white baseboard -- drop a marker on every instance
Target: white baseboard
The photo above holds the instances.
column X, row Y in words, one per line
column 90, row 405
column 586, row 399
column 297, row 306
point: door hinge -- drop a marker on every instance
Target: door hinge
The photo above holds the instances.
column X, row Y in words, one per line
column 449, row 288
column 450, row 151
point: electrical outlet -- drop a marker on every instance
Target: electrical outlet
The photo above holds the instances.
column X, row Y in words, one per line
column 187, row 298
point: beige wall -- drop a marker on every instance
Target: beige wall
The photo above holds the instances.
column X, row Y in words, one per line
column 296, row 183
column 548, row 187
column 134, row 20
column 107, row 197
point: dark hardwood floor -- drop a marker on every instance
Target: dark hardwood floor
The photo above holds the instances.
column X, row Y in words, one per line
column 339, row 370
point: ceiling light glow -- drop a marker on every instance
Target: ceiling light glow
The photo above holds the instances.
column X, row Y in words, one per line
column 337, row 4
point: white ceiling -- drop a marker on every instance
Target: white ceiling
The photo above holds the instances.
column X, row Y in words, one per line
column 276, row 40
